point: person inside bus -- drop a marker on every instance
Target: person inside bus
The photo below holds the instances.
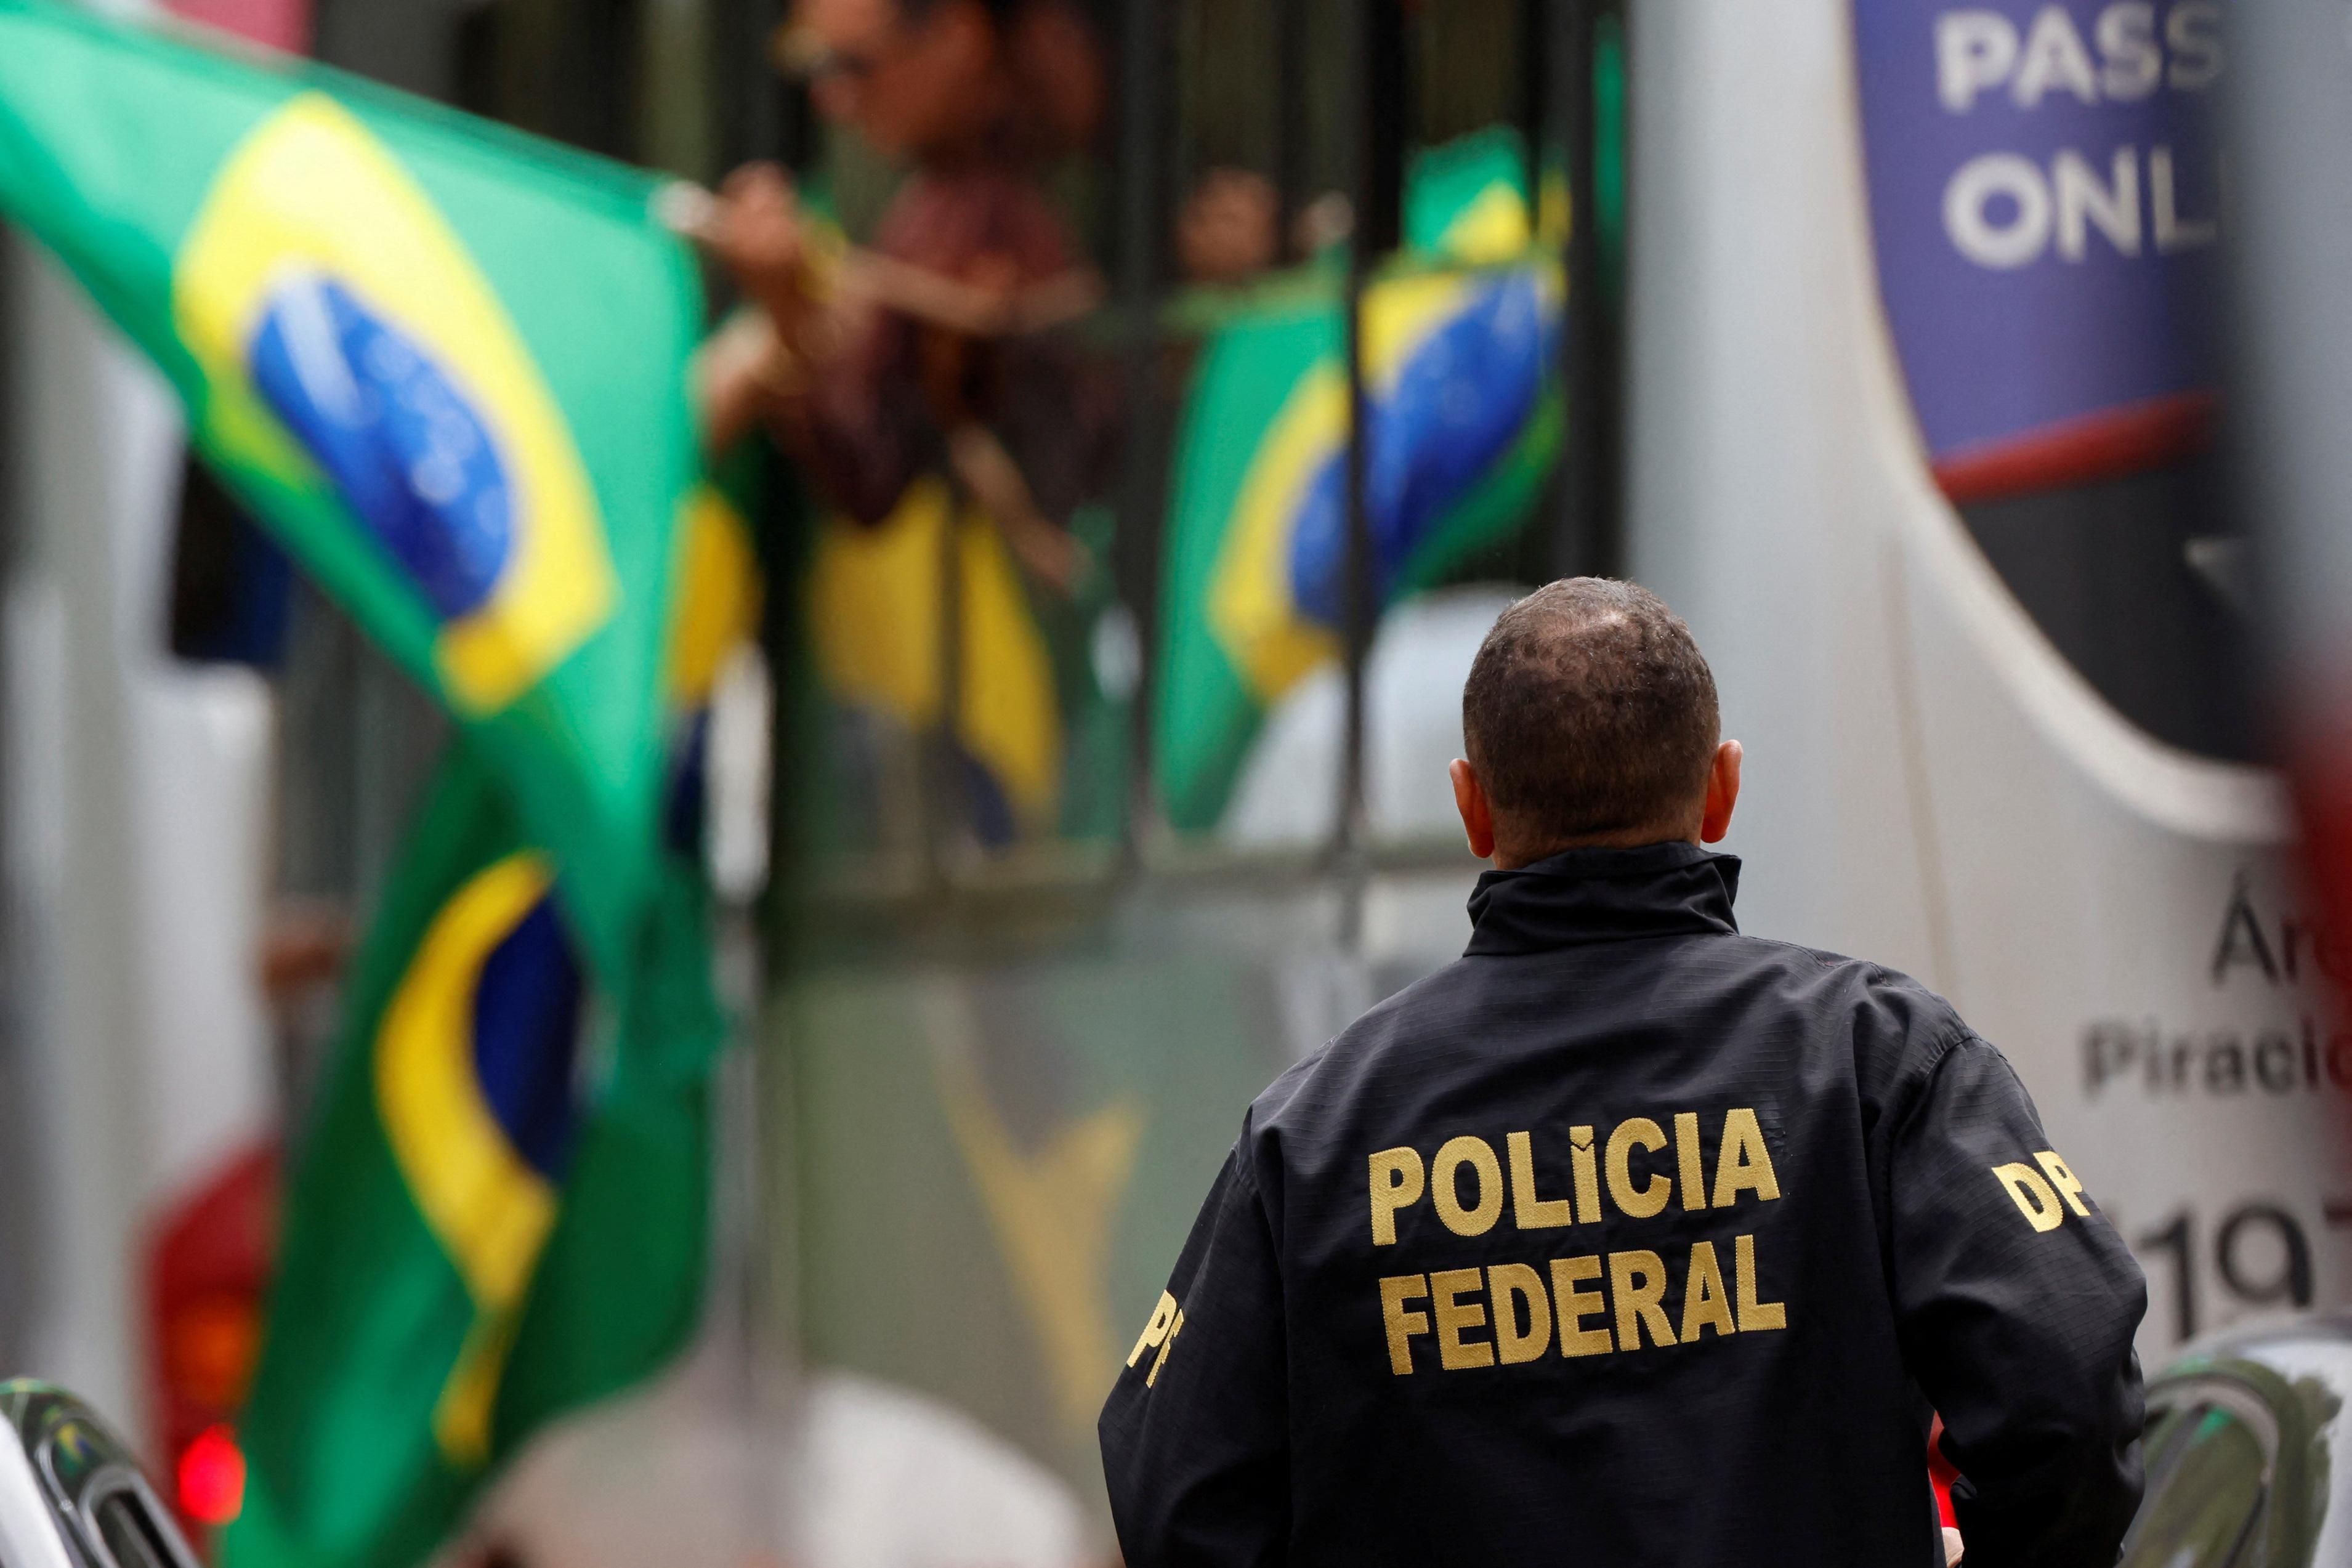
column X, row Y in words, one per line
column 932, row 352
column 1628, row 1238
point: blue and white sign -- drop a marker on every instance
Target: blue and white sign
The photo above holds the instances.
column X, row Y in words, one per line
column 2044, row 191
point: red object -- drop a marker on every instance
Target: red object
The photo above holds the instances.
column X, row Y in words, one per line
column 212, row 1477
column 2078, row 451
column 1941, row 1475
column 208, row 1279
column 277, row 24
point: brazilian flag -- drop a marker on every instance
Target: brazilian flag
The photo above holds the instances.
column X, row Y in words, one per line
column 447, row 367
column 1464, row 422
column 446, row 364
column 499, row 1211
column 499, row 1214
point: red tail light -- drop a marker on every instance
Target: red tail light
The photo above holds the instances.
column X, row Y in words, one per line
column 211, row 1477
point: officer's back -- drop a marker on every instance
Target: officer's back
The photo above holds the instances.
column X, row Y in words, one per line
column 1628, row 1238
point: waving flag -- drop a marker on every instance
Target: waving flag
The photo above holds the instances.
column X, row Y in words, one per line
column 447, row 367
column 500, row 1215
column 396, row 335
column 499, row 1212
column 1463, row 421
column 875, row 627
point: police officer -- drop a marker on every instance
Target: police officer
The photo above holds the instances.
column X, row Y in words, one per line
column 1628, row 1238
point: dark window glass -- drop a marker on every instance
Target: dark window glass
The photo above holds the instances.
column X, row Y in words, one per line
column 132, row 1535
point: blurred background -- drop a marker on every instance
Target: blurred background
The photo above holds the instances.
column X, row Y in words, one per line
column 1090, row 765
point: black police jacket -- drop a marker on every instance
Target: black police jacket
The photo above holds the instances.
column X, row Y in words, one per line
column 1630, row 1240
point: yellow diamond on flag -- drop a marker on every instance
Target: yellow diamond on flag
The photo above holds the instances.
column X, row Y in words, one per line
column 350, row 343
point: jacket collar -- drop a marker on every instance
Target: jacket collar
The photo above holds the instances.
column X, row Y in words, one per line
column 1603, row 894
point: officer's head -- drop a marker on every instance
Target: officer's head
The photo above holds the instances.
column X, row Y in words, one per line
column 1590, row 719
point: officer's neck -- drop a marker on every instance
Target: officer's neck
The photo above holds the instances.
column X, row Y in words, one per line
column 1517, row 855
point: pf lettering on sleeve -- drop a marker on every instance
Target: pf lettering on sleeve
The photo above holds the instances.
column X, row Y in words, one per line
column 1166, row 1322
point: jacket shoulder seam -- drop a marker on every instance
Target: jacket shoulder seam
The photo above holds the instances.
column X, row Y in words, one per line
column 1823, row 961
column 1943, row 1045
column 1922, row 1078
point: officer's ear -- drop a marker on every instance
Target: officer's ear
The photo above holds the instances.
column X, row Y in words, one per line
column 1722, row 794
column 1477, row 816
